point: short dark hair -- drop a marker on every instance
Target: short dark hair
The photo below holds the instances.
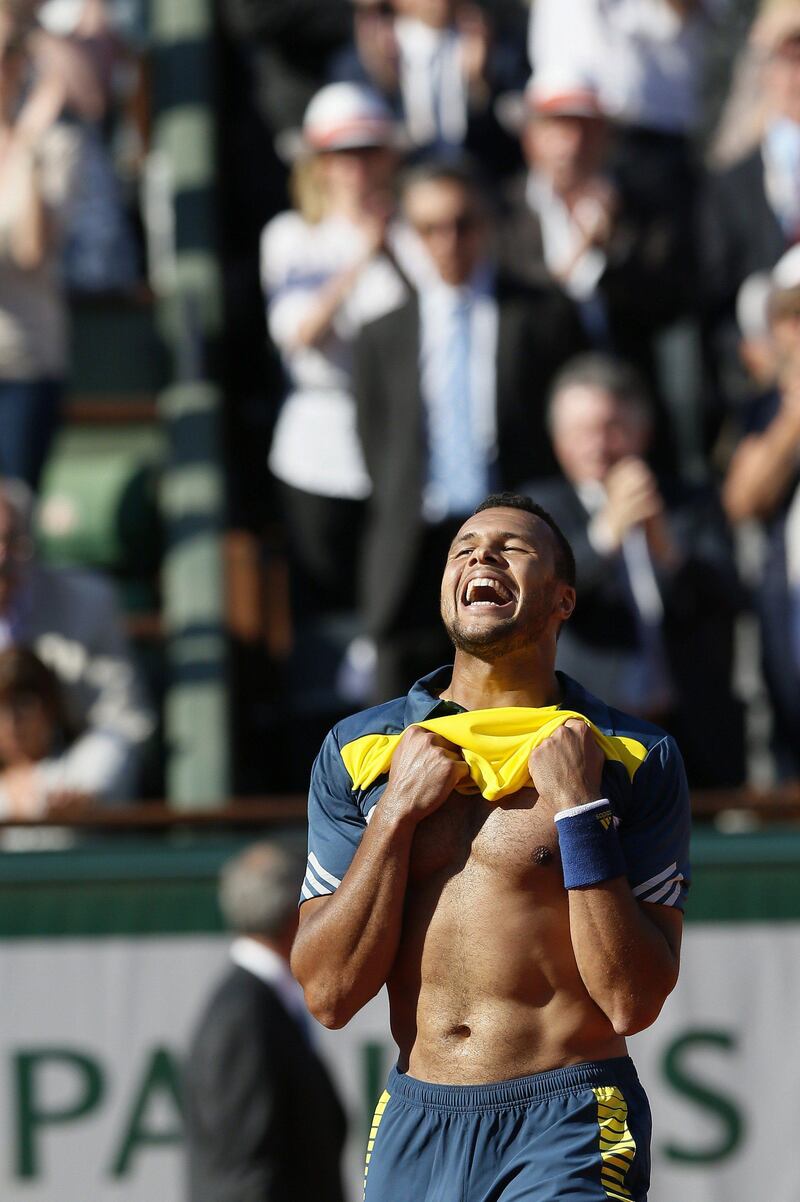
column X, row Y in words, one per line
column 564, row 558
column 461, row 172
column 23, row 675
column 259, row 887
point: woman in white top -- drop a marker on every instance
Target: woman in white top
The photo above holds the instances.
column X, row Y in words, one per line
column 326, row 269
column 38, row 170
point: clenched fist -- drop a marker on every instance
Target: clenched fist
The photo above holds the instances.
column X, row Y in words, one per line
column 567, row 768
column 425, row 770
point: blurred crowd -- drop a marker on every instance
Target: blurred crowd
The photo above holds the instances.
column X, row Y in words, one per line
column 550, row 247
column 529, row 247
column 74, row 720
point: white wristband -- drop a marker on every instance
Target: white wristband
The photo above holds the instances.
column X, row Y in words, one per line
column 589, row 805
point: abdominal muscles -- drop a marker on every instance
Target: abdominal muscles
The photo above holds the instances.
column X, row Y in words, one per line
column 485, row 986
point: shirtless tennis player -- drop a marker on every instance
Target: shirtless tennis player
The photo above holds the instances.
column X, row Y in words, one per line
column 522, row 931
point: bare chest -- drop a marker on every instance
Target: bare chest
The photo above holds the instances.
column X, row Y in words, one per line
column 514, row 838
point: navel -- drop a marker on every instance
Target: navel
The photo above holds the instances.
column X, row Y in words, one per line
column 542, row 855
column 462, row 1031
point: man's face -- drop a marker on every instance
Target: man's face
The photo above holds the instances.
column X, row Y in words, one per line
column 448, row 219
column 566, row 150
column 592, row 430
column 500, row 592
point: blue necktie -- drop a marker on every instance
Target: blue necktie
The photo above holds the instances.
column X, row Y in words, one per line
column 458, row 471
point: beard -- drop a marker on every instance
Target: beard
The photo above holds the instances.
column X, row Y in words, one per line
column 491, row 642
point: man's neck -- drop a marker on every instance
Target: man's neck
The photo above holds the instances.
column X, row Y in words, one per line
column 525, row 680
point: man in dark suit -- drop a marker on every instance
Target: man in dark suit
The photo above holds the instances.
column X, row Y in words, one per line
column 450, row 389
column 658, row 587
column 263, row 1122
column 626, row 262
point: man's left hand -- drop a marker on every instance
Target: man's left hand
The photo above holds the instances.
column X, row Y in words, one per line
column 567, row 768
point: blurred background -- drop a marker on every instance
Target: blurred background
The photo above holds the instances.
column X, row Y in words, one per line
column 232, row 453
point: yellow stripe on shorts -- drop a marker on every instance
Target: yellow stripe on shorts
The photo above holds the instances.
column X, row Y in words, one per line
column 373, row 1131
column 617, row 1145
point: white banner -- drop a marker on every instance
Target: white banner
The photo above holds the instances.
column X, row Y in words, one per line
column 94, row 1029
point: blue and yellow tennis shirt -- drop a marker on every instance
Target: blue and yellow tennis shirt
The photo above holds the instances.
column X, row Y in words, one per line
column 643, row 778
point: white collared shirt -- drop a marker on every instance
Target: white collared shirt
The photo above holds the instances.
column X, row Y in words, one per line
column 561, row 238
column 432, row 83
column 272, row 969
column 437, row 304
column 315, row 445
column 780, row 151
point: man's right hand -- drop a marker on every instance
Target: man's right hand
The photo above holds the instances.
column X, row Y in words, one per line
column 425, row 770
column 633, row 497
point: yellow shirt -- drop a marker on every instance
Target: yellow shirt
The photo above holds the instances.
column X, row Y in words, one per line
column 496, row 744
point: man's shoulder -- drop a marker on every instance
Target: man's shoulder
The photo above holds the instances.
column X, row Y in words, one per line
column 612, row 721
column 236, row 995
column 538, row 312
column 511, row 288
column 384, row 719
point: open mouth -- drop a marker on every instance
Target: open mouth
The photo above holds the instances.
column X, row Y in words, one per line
column 485, row 592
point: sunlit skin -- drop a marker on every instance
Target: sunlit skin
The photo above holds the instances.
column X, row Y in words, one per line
column 486, row 928
column 480, row 945
column 354, row 180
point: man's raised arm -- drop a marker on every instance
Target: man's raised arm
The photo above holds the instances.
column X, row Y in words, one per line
column 348, row 940
column 627, row 950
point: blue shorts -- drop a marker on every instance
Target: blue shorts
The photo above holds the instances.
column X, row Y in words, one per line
column 577, row 1134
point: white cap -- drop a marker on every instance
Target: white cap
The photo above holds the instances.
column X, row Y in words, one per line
column 341, row 116
column 551, row 93
column 563, row 94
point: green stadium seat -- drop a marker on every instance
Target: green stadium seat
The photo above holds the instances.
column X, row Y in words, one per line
column 98, row 506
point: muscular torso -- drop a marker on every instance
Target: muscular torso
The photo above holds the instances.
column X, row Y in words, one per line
column 485, row 985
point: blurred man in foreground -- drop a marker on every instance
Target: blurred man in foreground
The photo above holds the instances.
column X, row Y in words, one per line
column 263, row 1121
column 509, row 856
